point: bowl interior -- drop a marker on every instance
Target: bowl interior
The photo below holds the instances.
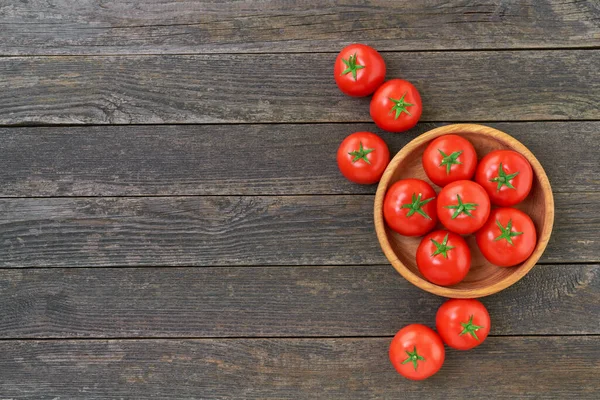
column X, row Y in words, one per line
column 484, row 278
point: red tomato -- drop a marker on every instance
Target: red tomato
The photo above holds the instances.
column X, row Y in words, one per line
column 409, row 207
column 463, row 207
column 506, row 176
column 449, row 158
column 507, row 238
column 463, row 323
column 396, row 106
column 362, row 157
column 443, row 258
column 417, row 352
column 359, row 70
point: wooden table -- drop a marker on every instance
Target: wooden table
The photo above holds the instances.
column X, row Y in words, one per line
column 173, row 224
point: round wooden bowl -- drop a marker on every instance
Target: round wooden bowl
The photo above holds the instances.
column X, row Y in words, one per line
column 484, row 278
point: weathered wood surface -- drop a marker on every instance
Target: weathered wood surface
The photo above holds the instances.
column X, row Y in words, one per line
column 225, row 230
column 274, row 301
column 455, row 86
column 241, row 159
column 191, row 26
column 507, row 368
column 247, row 71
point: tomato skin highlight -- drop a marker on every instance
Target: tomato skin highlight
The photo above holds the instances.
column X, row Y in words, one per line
column 463, row 323
column 449, row 158
column 354, row 167
column 463, row 207
column 422, row 342
column 501, row 252
column 489, row 175
column 398, row 215
column 444, row 258
column 359, row 70
column 396, row 106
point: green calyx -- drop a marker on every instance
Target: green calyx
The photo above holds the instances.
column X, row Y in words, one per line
column 441, row 248
column 400, row 106
column 351, row 66
column 413, row 357
column 470, row 328
column 462, row 208
column 449, row 160
column 503, row 178
column 507, row 233
column 417, row 206
column 361, row 154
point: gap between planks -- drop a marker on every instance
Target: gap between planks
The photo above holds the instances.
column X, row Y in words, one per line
column 138, row 196
column 85, row 125
column 252, row 53
column 256, row 338
column 328, row 266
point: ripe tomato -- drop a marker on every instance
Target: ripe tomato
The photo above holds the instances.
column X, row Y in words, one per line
column 463, row 323
column 507, row 238
column 443, row 258
column 449, row 158
column 396, row 106
column 409, row 207
column 359, row 70
column 463, row 207
column 362, row 157
column 417, row 352
column 506, row 176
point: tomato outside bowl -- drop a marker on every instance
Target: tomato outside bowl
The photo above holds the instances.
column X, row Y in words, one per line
column 483, row 278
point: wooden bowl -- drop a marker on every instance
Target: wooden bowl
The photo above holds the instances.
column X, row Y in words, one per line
column 484, row 278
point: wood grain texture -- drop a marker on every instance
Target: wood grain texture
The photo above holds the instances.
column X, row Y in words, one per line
column 455, row 86
column 191, row 26
column 502, row 368
column 274, row 301
column 241, row 159
column 242, row 64
column 483, row 278
column 222, row 231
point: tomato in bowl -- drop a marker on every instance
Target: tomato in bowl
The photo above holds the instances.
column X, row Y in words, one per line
column 483, row 278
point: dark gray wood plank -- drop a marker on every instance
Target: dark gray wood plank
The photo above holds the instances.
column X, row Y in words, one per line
column 240, row 159
column 502, row 368
column 230, row 231
column 192, row 26
column 274, row 301
column 455, row 86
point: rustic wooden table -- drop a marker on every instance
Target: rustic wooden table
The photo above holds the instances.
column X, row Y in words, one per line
column 173, row 223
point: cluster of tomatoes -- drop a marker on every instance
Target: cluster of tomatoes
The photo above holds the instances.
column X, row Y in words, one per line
column 359, row 71
column 417, row 351
column 506, row 236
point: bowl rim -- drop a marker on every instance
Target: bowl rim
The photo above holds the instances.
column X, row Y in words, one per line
column 543, row 236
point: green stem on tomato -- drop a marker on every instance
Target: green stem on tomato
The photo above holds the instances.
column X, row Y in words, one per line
column 400, row 106
column 351, row 66
column 507, row 232
column 450, row 160
column 462, row 208
column 470, row 328
column 442, row 248
column 417, row 206
column 361, row 154
column 503, row 179
column 413, row 357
